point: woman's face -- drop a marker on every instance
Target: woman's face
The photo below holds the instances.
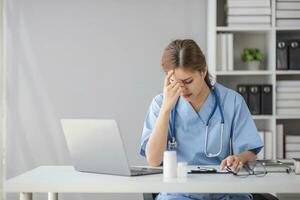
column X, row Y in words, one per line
column 192, row 80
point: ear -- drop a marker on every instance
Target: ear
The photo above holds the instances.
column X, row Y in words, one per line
column 204, row 72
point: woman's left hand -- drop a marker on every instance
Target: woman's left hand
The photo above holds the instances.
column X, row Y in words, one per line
column 235, row 162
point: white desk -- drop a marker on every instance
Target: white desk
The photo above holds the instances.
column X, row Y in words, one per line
column 64, row 179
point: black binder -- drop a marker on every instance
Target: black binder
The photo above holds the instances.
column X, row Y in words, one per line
column 254, row 99
column 282, row 55
column 294, row 55
column 266, row 99
column 243, row 90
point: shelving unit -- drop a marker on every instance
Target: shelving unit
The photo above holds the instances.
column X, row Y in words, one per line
column 261, row 37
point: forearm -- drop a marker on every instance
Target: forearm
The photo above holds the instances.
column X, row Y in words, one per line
column 247, row 156
column 158, row 139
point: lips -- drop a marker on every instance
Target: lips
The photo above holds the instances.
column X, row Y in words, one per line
column 186, row 95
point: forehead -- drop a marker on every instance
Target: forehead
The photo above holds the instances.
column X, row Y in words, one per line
column 181, row 73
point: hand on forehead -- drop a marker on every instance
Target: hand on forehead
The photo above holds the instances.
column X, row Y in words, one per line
column 181, row 75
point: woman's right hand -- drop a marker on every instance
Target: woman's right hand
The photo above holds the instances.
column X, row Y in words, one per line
column 172, row 89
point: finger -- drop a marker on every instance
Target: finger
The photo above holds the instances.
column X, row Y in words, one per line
column 229, row 161
column 223, row 164
column 235, row 165
column 176, row 87
column 167, row 78
column 172, row 78
column 239, row 166
column 173, row 83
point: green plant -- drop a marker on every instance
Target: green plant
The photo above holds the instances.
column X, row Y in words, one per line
column 251, row 54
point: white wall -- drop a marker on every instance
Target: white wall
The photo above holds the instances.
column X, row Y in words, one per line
column 85, row 59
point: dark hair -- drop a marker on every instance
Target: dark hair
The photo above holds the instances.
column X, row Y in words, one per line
column 187, row 55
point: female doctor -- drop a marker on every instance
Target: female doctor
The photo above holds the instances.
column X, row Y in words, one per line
column 198, row 119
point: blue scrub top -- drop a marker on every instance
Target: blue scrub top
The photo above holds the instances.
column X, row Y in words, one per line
column 190, row 128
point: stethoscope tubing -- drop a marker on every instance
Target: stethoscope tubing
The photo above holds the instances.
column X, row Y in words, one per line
column 172, row 138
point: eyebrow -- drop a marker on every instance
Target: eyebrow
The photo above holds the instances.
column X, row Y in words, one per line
column 186, row 79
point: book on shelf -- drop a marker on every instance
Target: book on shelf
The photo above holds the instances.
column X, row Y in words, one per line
column 292, row 147
column 225, row 52
column 248, row 3
column 288, row 111
column 287, row 14
column 292, row 154
column 267, row 140
column 268, row 145
column 219, row 53
column 248, row 19
column 287, row 95
column 288, row 5
column 284, row 89
column 261, row 154
column 244, row 25
column 229, row 51
column 292, row 138
column 248, row 11
column 288, row 103
column 287, row 22
column 279, row 140
column 288, row 83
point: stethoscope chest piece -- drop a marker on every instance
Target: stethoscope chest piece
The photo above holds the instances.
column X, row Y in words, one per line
column 173, row 144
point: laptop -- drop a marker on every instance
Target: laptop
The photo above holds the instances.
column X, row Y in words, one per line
column 96, row 146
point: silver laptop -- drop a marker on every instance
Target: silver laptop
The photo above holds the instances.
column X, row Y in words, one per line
column 96, row 146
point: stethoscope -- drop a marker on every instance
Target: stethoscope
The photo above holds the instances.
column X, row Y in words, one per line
column 172, row 144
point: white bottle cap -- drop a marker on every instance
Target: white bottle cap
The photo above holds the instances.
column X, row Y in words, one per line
column 182, row 170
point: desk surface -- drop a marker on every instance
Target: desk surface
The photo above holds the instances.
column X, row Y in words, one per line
column 67, row 179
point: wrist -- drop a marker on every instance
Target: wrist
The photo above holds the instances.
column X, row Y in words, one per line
column 165, row 110
column 242, row 159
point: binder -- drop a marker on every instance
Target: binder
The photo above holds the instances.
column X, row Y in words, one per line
column 294, row 55
column 282, row 55
column 266, row 99
column 243, row 90
column 254, row 99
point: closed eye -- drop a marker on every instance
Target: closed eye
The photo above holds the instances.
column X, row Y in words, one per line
column 188, row 82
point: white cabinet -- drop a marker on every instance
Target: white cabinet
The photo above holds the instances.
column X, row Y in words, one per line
column 248, row 36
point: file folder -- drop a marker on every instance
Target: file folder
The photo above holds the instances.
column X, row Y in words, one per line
column 282, row 55
column 243, row 90
column 294, row 55
column 266, row 99
column 254, row 99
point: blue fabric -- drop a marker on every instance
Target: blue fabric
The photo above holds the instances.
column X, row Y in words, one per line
column 190, row 132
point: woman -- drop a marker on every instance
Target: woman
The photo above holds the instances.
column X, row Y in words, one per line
column 188, row 104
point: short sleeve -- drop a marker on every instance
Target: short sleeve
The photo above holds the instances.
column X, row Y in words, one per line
column 244, row 131
column 150, row 121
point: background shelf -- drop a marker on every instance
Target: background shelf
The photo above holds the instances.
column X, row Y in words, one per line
column 244, row 73
column 247, row 36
